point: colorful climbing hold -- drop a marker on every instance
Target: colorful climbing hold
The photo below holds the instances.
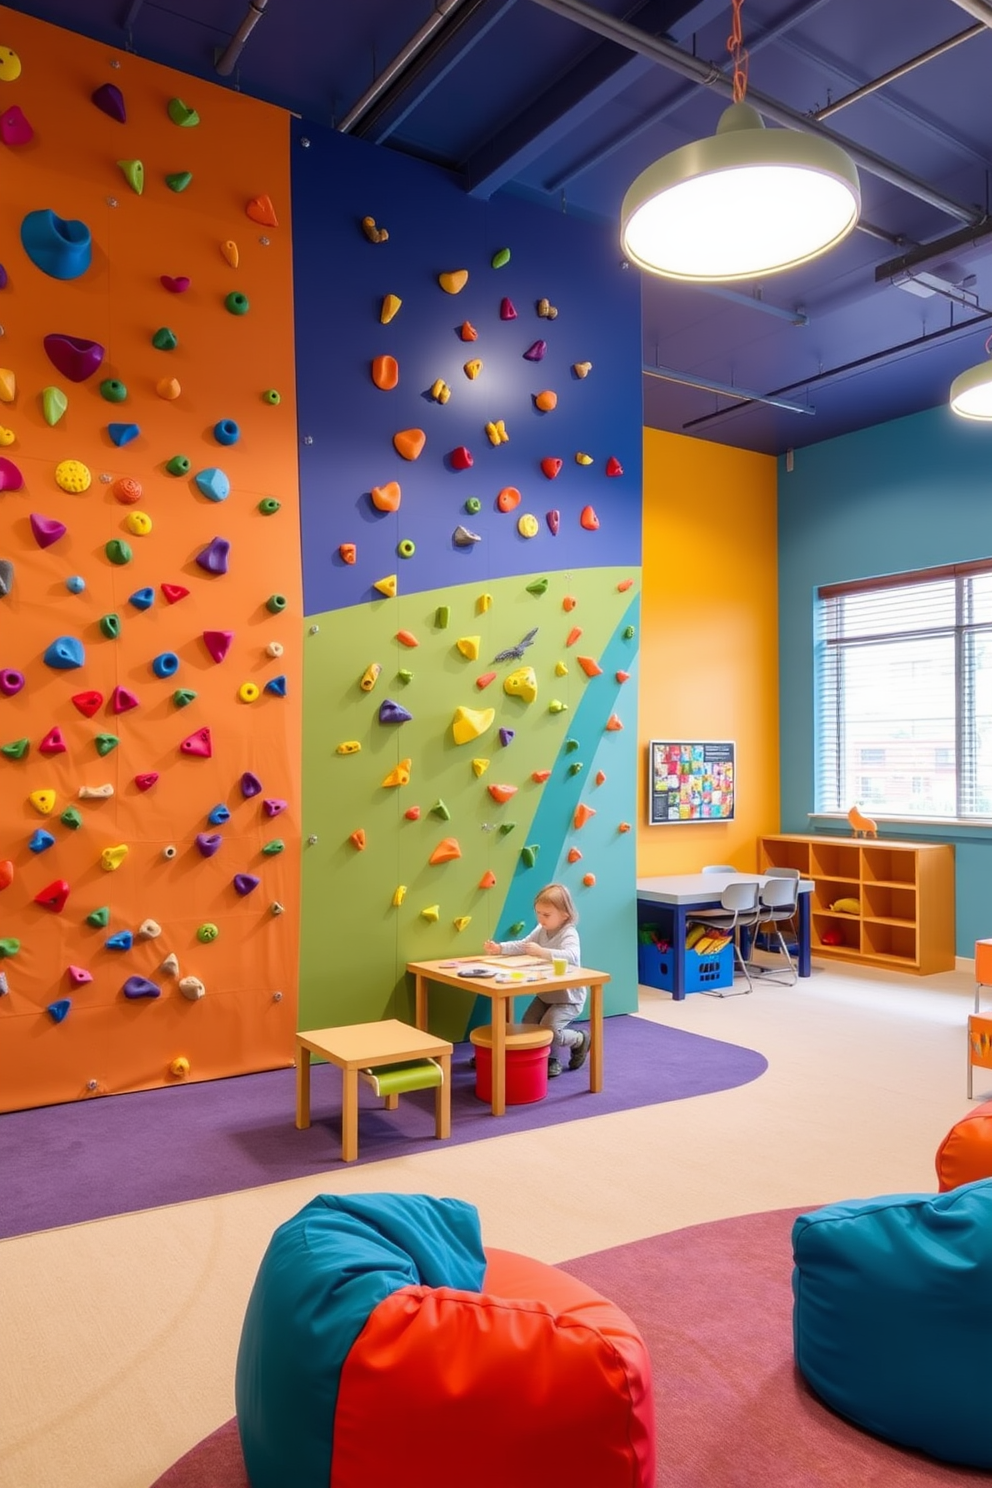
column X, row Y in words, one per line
column 613, row 466
column 46, row 530
column 467, row 331
column 453, row 281
column 386, row 586
column 249, row 692
column 261, row 210
column 146, row 781
column 472, row 370
column 95, row 792
column 139, row 986
column 191, row 988
column 347, row 552
column 484, row 680
column 576, row 768
column 463, row 538
column 582, row 369
column 551, row 466
column 165, row 339
column 207, row 932
column 17, row 750
column 370, row 676
column 71, row 818
column 527, row 525
column 385, row 372
column 142, row 599
column 64, row 654
column 133, row 172
column 461, row 458
column 179, row 1067
column 244, row 883
column 390, row 307
column 43, row 801
column 9, row 946
column 622, row 676
column 237, row 303
column 106, row 744
column 488, row 880
column 507, row 499
column 59, row 1010
column 479, row 767
column 409, row 443
column 440, row 809
column 11, row 682
column 506, row 310
column 613, row 724
column 181, row 114
column 122, row 700
column 536, row 351
column 447, row 851
column 173, row 593
column 372, row 232
column 73, row 356
column 53, row 896
column 271, row 849
column 183, row 696
column 469, row 723
column 400, row 774
column 582, row 814
column 540, row 776
column 385, row 498
column 590, row 666
column 272, row 396
column 528, row 854
column 214, row 557
column 118, row 551
column 432, row 913
column 59, row 248
column 78, row 976
column 522, row 683
column 112, row 857
column 588, row 519
column 391, row 712
column 11, row 478
column 274, row 807
column 412, row 813
column 250, row 785
column 469, row 646
column 213, row 483
column 358, row 839
column 502, row 793
column 573, row 635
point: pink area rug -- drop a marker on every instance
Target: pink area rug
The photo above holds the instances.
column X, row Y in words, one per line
column 714, row 1304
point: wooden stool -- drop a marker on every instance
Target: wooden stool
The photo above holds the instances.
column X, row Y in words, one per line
column 526, row 1077
column 391, row 1055
column 980, row 1029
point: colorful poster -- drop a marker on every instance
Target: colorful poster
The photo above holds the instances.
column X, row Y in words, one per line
column 690, row 782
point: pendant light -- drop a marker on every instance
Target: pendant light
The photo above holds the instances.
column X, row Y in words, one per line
column 743, row 203
column 971, row 391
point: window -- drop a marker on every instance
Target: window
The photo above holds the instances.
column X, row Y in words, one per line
column 904, row 690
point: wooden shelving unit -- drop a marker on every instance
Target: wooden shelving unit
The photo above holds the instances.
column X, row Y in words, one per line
column 905, row 891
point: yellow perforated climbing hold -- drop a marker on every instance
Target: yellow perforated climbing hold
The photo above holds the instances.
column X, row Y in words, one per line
column 399, row 894
column 138, row 523
column 7, row 436
column 350, row 746
column 112, row 857
column 472, row 368
column 527, row 525
column 230, row 252
column 72, row 475
column 370, row 676
column 400, row 775
column 522, row 684
column 249, row 692
column 386, row 586
column 43, row 801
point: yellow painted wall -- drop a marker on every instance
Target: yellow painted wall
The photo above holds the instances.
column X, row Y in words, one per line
column 709, row 637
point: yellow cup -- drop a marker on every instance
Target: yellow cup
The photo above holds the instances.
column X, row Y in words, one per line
column 559, row 965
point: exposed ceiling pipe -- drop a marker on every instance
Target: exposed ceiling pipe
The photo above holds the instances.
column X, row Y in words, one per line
column 724, row 389
column 398, row 64
column 980, row 9
column 229, row 57
column 710, row 76
column 897, row 72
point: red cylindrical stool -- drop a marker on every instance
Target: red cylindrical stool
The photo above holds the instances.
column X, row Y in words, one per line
column 526, row 1062
column 965, row 1154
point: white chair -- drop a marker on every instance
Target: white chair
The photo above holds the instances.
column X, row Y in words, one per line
column 777, row 904
column 739, row 910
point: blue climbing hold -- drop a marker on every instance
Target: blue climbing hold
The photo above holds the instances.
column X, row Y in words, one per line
column 137, row 986
column 122, row 941
column 122, row 434
column 64, row 654
column 227, row 432
column 142, row 599
column 60, row 248
column 219, row 815
column 59, row 1009
column 40, row 840
column 76, row 584
column 213, row 484
column 506, row 736
column 276, row 685
column 166, row 664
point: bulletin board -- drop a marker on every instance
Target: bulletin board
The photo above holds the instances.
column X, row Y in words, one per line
column 691, row 780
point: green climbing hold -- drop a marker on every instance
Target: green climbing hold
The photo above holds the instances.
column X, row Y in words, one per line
column 539, row 586
column 110, row 626
column 105, row 743
column 9, row 947
column 134, row 174
column 53, row 404
column 182, row 697
column 99, row 917
column 17, row 750
column 71, row 818
column 178, row 465
column 517, row 928
column 574, row 769
column 118, row 551
column 275, row 846
column 628, row 633
column 528, row 855
column 272, row 396
column 207, row 933
column 557, row 706
column 112, row 390
column 571, row 745
column 500, row 257
column 406, row 548
column 276, row 603
column 404, row 674
column 181, row 114
column 506, row 827
column 164, row 339
column 268, row 506
column 439, row 809
column 473, row 505
column 237, row 303
column 441, row 616
column 178, row 180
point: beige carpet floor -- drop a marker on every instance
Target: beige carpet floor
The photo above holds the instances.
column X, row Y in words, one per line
column 118, row 1338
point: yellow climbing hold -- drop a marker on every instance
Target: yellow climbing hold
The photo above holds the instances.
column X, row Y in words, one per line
column 8, row 385
column 454, row 281
column 179, row 1067
column 399, row 894
column 230, row 252
column 496, row 432
column 472, row 368
column 386, row 586
column 400, row 775
column 72, row 475
column 483, row 603
column 249, row 692
column 582, row 369
column 6, row 436
column 139, row 524
column 432, row 914
column 113, row 857
column 561, row 669
column 440, row 391
column 10, row 65
column 461, row 921
column 527, row 525
column 370, row 676
column 390, row 304
column 43, row 801
column 522, row 684
column 480, row 766
column 350, row 746
column 582, row 459
column 469, row 646
column 469, row 723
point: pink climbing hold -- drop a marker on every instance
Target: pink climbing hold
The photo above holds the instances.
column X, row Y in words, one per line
column 78, row 976
column 198, row 743
column 179, row 285
column 506, row 310
column 11, row 478
column 122, row 700
column 47, row 530
column 218, row 642
column 273, row 806
column 173, row 593
column 73, row 357
column 213, row 558
column 145, row 782
column 53, row 742
column 14, row 127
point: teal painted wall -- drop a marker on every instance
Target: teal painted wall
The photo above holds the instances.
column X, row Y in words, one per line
column 908, row 494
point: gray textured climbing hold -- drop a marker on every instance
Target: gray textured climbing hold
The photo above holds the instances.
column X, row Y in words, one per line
column 463, row 538
column 6, row 576
column 191, row 987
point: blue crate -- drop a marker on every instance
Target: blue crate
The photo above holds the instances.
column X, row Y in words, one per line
column 656, row 968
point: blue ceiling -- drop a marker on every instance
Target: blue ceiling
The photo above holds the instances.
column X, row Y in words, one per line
column 565, row 102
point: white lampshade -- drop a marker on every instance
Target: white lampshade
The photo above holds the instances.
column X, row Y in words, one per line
column 971, row 392
column 743, row 203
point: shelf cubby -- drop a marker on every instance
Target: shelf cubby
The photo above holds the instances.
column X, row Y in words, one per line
column 835, row 860
column 887, row 865
column 886, row 902
column 847, row 927
column 890, row 942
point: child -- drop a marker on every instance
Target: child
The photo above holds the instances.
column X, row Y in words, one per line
column 554, row 936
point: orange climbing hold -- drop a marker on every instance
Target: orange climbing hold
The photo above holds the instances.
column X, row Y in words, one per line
column 387, row 497
column 261, row 210
column 502, row 793
column 622, row 676
column 589, row 879
column 507, row 499
column 409, row 443
column 488, row 880
column 613, row 724
column 582, row 815
column 600, row 777
column 588, row 519
column 468, row 332
column 348, row 552
column 568, row 603
column 546, row 401
column 385, row 372
column 485, row 680
column 357, row 839
column 401, row 774
column 590, row 666
column 127, row 490
column 407, row 638
column 6, row 874
column 446, row 851
column 624, row 585
column 624, row 827
column 574, row 855
column 573, row 635
column 453, row 281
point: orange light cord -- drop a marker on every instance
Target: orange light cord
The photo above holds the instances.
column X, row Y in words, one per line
column 738, row 52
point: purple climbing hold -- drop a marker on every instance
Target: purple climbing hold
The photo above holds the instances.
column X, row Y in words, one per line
column 536, row 352
column 3, row 277
column 245, row 882
column 110, row 100
column 138, row 986
column 208, row 842
column 74, row 357
column 11, row 681
column 214, row 556
column 250, row 785
column 505, row 736
column 11, row 478
column 390, row 712
column 273, row 806
column 47, row 530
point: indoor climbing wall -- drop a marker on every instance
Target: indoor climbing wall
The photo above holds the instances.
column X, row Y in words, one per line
column 149, row 576
column 470, row 457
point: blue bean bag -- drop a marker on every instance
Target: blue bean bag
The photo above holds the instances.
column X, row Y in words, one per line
column 892, row 1317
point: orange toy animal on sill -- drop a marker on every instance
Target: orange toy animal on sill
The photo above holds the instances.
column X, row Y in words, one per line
column 862, row 826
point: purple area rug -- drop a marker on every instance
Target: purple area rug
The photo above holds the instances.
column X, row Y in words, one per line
column 714, row 1306
column 61, row 1165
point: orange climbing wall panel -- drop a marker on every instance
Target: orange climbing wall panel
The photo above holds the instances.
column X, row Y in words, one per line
column 224, row 363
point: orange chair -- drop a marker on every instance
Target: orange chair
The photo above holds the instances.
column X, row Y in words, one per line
column 980, row 1028
column 965, row 1154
